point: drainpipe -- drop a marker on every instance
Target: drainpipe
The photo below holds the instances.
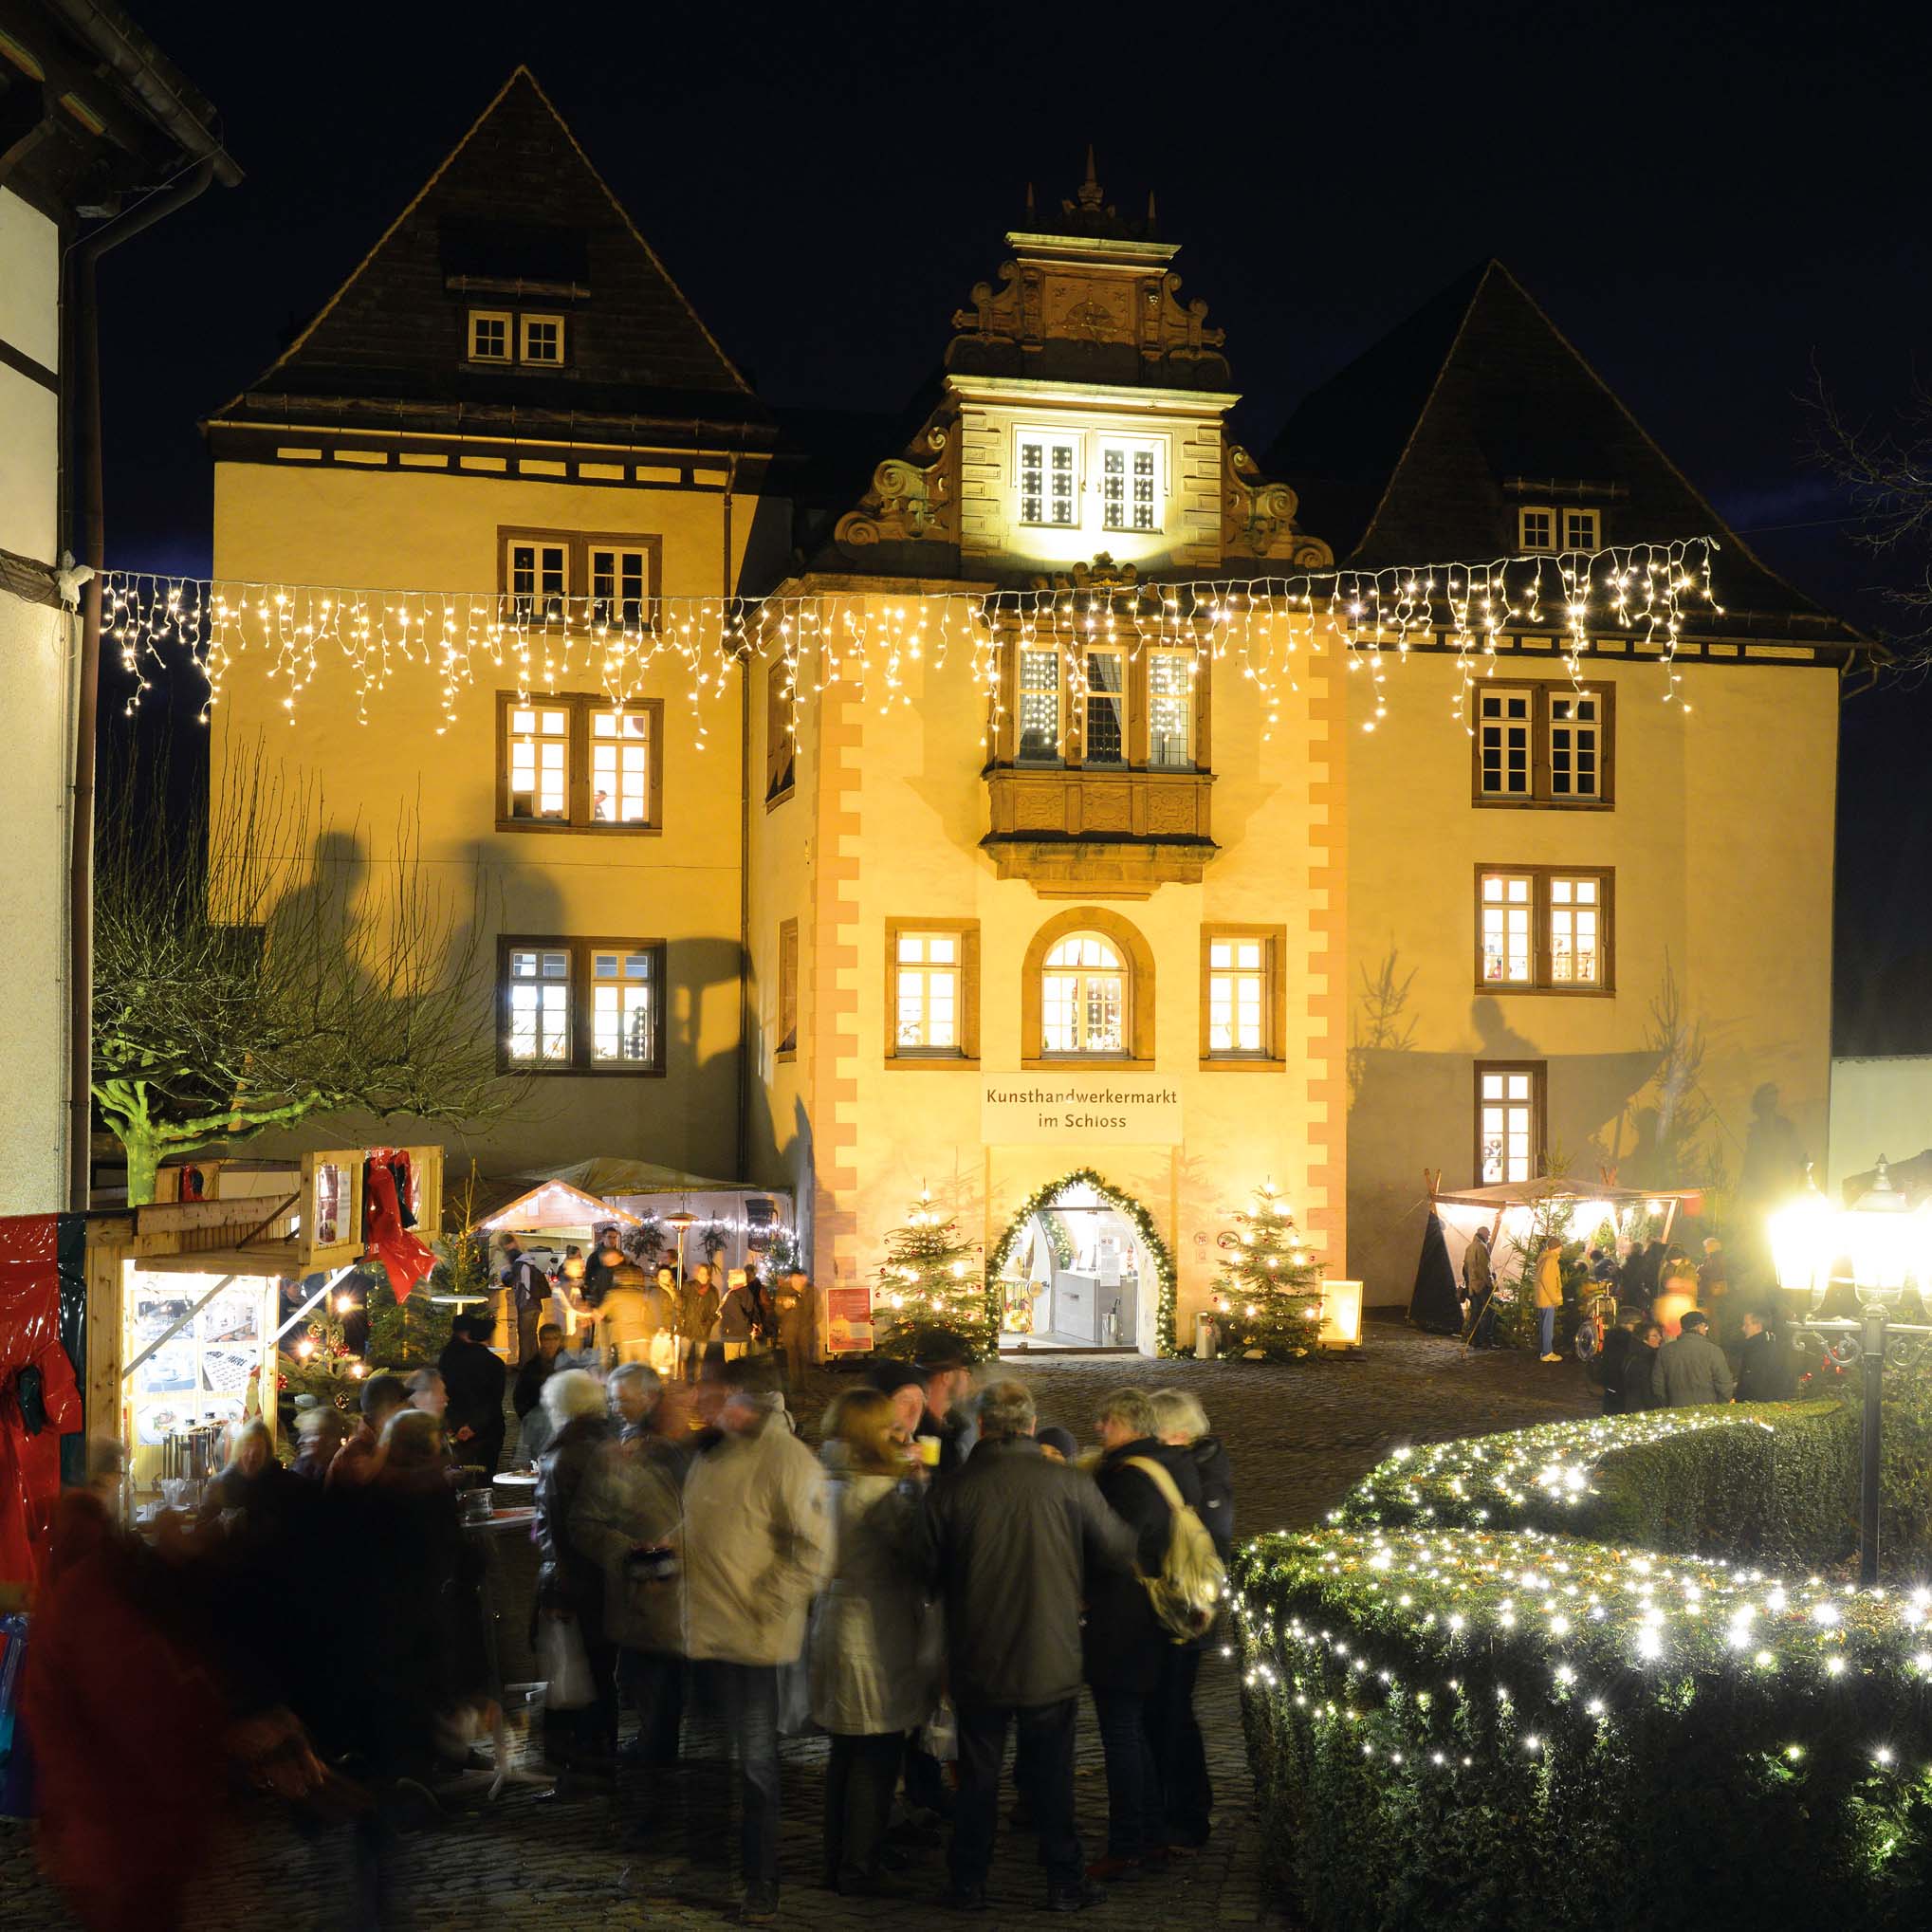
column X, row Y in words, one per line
column 86, row 256
column 742, row 1171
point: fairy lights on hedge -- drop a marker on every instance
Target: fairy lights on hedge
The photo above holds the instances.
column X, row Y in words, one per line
column 1501, row 1642
column 474, row 643
column 1553, row 1465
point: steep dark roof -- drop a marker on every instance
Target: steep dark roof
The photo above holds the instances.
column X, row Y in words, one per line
column 1420, row 450
column 516, row 202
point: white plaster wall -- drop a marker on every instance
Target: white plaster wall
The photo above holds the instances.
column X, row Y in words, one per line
column 1880, row 1107
column 33, row 694
column 29, row 413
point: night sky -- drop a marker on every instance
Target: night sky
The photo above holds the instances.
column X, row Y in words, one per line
column 1709, row 201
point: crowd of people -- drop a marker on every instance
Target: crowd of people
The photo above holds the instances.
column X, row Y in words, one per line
column 941, row 1573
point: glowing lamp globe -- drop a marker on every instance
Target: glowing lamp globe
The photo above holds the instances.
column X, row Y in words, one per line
column 1881, row 1237
column 1801, row 1243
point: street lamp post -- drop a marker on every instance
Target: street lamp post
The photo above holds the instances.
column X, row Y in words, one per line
column 1876, row 1245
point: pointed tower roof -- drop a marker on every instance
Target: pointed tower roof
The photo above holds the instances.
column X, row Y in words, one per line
column 1421, row 447
column 514, row 218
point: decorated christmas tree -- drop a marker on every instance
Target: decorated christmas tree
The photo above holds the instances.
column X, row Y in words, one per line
column 1269, row 1293
column 930, row 1289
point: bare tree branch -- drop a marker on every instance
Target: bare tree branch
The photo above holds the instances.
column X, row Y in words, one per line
column 256, row 968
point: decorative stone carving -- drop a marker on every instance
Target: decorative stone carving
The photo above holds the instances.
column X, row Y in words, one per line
column 1257, row 517
column 1102, row 574
column 907, row 502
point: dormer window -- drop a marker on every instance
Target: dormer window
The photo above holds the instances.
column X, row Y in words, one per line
column 1547, row 528
column 489, row 335
column 1090, row 481
column 543, row 339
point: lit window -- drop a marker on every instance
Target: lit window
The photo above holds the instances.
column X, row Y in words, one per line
column 1537, row 529
column 1580, row 529
column 1508, row 900
column 623, row 1006
column 576, row 760
column 1104, row 741
column 1237, row 996
column 1083, row 997
column 1049, row 481
column 489, row 336
column 1542, row 745
column 1574, row 960
column 538, row 761
column 619, row 581
column 780, row 744
column 543, row 339
column 582, row 1005
column 620, row 767
column 928, row 993
column 1170, row 707
column 1130, row 479
column 1541, row 931
column 1039, row 704
column 1509, row 1113
column 539, row 582
column 539, row 1007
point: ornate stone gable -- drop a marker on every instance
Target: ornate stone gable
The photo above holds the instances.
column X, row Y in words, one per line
column 1257, row 518
column 909, row 502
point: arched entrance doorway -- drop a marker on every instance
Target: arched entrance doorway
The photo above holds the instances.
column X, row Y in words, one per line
column 1082, row 1265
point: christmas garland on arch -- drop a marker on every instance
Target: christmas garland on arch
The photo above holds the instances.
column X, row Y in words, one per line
column 1041, row 1201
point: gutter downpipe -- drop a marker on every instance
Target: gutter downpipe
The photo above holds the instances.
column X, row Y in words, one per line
column 88, row 255
column 743, row 1168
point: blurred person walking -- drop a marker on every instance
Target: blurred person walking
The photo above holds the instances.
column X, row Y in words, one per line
column 1018, row 1543
column 570, row 1581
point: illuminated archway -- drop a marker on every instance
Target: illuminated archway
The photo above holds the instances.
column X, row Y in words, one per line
column 1124, row 1204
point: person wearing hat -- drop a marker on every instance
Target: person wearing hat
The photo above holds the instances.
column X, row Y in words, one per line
column 474, row 1375
column 1692, row 1369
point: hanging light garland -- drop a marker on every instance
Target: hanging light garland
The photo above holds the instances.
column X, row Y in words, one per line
column 869, row 640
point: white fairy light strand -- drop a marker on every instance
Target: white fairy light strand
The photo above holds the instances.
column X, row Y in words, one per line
column 869, row 639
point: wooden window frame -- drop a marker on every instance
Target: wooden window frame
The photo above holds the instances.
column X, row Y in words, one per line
column 1558, row 514
column 1090, row 447
column 577, row 544
column 1539, row 797
column 579, row 1064
column 524, row 319
column 785, row 1028
column 966, row 1056
column 1273, row 1057
column 1138, row 955
column 508, row 317
column 582, row 707
column 1564, row 513
column 1539, row 982
column 1003, row 740
column 780, row 747
column 1538, row 1072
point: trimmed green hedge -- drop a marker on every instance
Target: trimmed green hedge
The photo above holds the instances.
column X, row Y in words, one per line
column 1775, row 1482
column 1477, row 1731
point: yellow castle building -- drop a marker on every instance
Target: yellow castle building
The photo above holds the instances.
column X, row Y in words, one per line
column 1087, row 917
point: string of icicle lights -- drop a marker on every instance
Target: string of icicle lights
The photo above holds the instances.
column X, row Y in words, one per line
column 470, row 642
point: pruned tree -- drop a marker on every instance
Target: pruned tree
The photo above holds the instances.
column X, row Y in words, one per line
column 1888, row 474
column 252, row 970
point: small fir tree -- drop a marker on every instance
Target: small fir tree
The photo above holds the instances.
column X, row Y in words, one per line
column 930, row 1289
column 1270, row 1287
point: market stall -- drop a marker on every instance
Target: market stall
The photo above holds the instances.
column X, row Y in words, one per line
column 739, row 1223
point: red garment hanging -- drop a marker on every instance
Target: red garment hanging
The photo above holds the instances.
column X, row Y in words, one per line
column 36, row 1411
column 407, row 1258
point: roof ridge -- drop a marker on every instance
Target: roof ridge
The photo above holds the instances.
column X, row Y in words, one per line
column 1722, row 532
column 520, row 72
column 1489, row 267
column 348, row 281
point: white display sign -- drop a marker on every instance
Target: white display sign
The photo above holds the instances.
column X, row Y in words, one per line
column 1079, row 1110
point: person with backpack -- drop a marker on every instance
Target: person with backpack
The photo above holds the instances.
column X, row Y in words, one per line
column 1126, row 1639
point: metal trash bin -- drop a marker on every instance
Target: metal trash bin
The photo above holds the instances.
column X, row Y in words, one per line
column 1207, row 1337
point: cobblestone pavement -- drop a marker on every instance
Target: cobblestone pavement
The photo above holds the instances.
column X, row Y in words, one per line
column 1299, row 1437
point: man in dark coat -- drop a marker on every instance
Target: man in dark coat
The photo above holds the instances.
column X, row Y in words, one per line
column 475, row 1376
column 1764, row 1361
column 1125, row 1640
column 1637, row 1373
column 1018, row 1542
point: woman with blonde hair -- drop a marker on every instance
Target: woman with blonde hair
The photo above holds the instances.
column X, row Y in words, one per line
column 874, row 1640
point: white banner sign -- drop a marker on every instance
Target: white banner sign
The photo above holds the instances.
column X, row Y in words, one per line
column 1079, row 1110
